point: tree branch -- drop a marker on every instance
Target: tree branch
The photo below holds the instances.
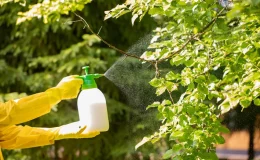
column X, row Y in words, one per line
column 170, row 96
column 154, row 62
column 157, row 71
column 108, row 44
column 202, row 32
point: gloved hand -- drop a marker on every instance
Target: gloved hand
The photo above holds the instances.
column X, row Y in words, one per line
column 72, row 130
column 67, row 88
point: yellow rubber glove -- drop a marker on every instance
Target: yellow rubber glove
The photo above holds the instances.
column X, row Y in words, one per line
column 67, row 88
column 18, row 137
column 72, row 130
column 33, row 106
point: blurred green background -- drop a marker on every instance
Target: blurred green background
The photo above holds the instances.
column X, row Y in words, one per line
column 35, row 56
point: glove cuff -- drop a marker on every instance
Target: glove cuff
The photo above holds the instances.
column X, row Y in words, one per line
column 54, row 133
column 54, row 96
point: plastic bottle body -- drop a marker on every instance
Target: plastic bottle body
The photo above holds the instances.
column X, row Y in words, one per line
column 93, row 110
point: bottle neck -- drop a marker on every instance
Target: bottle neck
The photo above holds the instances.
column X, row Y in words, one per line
column 88, row 83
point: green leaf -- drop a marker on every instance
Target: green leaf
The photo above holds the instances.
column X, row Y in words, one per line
column 134, row 18
column 176, row 148
column 171, row 86
column 257, row 102
column 189, row 62
column 181, row 3
column 166, row 102
column 160, row 90
column 213, row 78
column 200, row 79
column 177, row 158
column 180, row 107
column 157, row 82
column 251, row 77
column 219, row 139
column 176, row 134
column 223, row 129
column 177, row 60
column 225, row 106
column 191, row 86
column 155, row 104
column 245, row 103
column 202, row 89
column 190, row 109
column 156, row 11
column 221, row 24
column 168, row 154
column 172, row 76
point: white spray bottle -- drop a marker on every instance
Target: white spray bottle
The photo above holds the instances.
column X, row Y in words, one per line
column 92, row 106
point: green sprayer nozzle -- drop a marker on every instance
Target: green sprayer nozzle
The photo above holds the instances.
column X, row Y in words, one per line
column 89, row 79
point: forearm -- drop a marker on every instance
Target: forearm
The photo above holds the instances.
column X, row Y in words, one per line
column 28, row 108
column 18, row 137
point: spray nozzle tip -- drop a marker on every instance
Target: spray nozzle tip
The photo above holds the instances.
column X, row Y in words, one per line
column 98, row 75
column 85, row 67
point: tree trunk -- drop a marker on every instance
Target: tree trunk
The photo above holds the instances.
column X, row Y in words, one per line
column 251, row 129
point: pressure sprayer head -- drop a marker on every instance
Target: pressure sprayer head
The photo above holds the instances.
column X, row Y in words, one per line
column 89, row 79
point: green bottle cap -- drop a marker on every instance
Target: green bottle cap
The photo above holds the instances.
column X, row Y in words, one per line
column 89, row 79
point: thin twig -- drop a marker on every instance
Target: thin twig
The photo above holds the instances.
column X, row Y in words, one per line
column 157, row 72
column 72, row 21
column 154, row 62
column 203, row 31
column 170, row 96
column 99, row 30
column 178, row 51
column 108, row 44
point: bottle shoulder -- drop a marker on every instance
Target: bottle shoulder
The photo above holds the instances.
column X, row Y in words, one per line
column 93, row 94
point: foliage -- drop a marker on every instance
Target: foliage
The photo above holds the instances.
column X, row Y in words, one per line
column 37, row 50
column 51, row 10
column 218, row 50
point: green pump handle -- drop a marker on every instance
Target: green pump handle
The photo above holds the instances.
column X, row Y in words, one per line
column 89, row 79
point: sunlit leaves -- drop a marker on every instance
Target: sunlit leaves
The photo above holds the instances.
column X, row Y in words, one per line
column 50, row 11
column 117, row 11
column 21, row 2
column 218, row 67
column 172, row 76
column 138, row 9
